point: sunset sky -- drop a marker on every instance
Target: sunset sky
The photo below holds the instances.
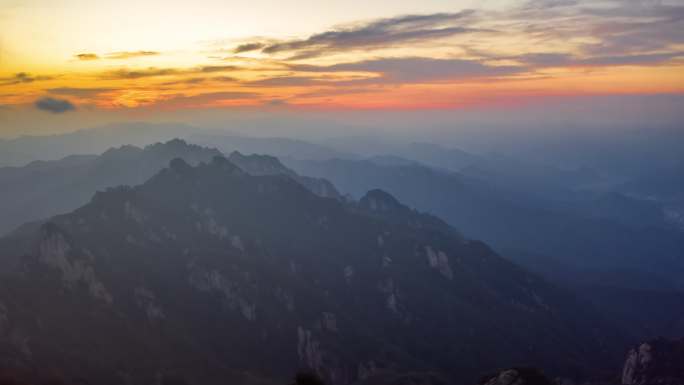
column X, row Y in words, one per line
column 60, row 56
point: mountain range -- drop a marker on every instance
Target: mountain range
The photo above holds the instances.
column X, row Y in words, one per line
column 208, row 274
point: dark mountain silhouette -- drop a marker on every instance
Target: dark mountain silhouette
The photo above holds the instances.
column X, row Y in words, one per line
column 209, row 275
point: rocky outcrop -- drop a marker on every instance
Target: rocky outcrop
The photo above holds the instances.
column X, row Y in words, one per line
column 378, row 200
column 517, row 376
column 439, row 261
column 657, row 362
column 55, row 251
column 214, row 281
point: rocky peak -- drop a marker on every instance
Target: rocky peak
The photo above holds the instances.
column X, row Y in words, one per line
column 655, row 362
column 259, row 164
column 379, row 200
column 121, row 152
column 179, row 165
column 173, row 143
column 224, row 164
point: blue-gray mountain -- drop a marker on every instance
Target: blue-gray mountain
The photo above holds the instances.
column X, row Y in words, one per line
column 613, row 249
column 45, row 188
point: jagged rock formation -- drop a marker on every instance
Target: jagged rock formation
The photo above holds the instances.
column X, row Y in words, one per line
column 657, row 362
column 212, row 275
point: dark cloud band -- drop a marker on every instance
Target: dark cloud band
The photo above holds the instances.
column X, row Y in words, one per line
column 53, row 105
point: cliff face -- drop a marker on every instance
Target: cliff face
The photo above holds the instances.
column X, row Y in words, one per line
column 657, row 362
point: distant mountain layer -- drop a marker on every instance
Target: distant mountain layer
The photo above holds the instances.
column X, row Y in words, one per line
column 279, row 147
column 270, row 165
column 212, row 275
column 610, row 232
column 26, row 149
column 45, row 188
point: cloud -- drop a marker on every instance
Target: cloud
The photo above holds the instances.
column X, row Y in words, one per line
column 603, row 27
column 288, row 81
column 538, row 60
column 53, row 105
column 548, row 4
column 375, row 34
column 201, row 80
column 625, row 60
column 247, row 47
column 207, row 99
column 79, row 92
column 416, row 70
column 86, row 56
column 206, row 69
column 130, row 54
column 124, row 73
column 23, row 77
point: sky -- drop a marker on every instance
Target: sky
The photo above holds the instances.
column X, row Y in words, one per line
column 99, row 59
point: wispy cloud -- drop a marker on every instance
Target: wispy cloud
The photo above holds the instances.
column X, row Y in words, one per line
column 417, row 70
column 201, row 80
column 130, row 54
column 88, row 56
column 375, row 34
column 541, row 60
column 80, row 92
column 125, row 73
column 208, row 99
column 247, row 47
column 23, row 77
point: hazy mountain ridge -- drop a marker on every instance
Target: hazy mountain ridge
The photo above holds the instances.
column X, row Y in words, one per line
column 274, row 146
column 516, row 221
column 45, row 188
column 270, row 165
column 25, row 149
column 206, row 265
